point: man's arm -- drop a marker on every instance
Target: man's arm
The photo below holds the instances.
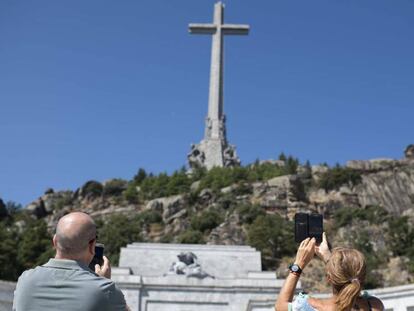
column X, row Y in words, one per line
column 116, row 299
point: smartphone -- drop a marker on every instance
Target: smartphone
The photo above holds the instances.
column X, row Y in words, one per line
column 308, row 226
column 98, row 258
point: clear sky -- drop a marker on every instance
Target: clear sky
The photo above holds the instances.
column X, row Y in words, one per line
column 96, row 89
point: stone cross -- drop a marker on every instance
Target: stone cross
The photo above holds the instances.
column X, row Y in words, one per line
column 214, row 150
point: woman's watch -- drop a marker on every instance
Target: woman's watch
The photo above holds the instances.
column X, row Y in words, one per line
column 295, row 269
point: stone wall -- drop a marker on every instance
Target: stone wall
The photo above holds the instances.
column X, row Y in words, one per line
column 6, row 295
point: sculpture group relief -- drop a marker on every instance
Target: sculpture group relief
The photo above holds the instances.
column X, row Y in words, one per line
column 188, row 265
column 196, row 157
column 230, row 156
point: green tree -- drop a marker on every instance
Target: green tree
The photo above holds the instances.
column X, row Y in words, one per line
column 248, row 213
column 206, row 221
column 131, row 193
column 140, row 176
column 10, row 267
column 273, row 236
column 191, row 237
column 35, row 246
column 92, row 188
column 114, row 187
column 400, row 238
column 291, row 165
column 117, row 232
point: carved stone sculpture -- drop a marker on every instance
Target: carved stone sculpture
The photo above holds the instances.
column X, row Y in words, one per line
column 409, row 152
column 187, row 265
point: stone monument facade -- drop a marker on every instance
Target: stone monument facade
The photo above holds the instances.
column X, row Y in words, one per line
column 180, row 277
column 214, row 149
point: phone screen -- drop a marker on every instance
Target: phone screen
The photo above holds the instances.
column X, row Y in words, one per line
column 301, row 227
column 316, row 227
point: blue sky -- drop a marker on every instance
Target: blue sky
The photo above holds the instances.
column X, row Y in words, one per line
column 96, row 89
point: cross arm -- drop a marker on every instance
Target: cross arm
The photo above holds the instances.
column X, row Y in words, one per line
column 232, row 29
column 202, row 29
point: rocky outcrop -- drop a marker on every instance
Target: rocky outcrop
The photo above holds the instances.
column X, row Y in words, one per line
column 391, row 189
column 280, row 192
column 326, row 202
column 374, row 165
column 228, row 233
column 170, row 207
column 37, row 208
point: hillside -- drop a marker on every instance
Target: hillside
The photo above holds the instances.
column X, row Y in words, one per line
column 366, row 204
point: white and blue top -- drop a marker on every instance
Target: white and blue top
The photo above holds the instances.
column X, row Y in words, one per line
column 300, row 302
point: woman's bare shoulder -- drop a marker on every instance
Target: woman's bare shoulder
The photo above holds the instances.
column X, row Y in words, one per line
column 322, row 304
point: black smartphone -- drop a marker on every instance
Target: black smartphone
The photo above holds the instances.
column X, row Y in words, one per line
column 308, row 226
column 98, row 258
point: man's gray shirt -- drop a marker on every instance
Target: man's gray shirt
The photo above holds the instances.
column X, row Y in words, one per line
column 64, row 285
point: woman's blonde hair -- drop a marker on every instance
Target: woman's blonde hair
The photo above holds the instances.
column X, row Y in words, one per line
column 346, row 272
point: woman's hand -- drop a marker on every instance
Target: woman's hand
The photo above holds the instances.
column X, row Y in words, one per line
column 323, row 251
column 305, row 252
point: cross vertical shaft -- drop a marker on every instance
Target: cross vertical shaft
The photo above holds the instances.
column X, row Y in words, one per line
column 215, row 101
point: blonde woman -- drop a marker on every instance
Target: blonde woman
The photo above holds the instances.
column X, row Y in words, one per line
column 345, row 272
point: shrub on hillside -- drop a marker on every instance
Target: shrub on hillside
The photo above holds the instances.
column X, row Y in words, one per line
column 400, row 239
column 191, row 237
column 207, row 220
column 10, row 267
column 35, row 246
column 162, row 185
column 131, row 193
column 114, row 187
column 335, row 177
column 149, row 217
column 248, row 213
column 92, row 188
column 345, row 216
column 64, row 199
column 117, row 232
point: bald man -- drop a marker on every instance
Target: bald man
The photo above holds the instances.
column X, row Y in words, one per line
column 66, row 282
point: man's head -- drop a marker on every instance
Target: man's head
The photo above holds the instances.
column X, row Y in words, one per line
column 75, row 237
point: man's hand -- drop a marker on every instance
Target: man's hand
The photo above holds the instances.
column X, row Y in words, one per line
column 105, row 269
column 323, row 251
column 305, row 252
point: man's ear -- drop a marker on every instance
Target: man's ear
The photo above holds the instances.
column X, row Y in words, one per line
column 54, row 241
column 91, row 247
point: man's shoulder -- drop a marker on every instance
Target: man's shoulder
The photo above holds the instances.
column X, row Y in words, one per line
column 29, row 274
column 85, row 276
